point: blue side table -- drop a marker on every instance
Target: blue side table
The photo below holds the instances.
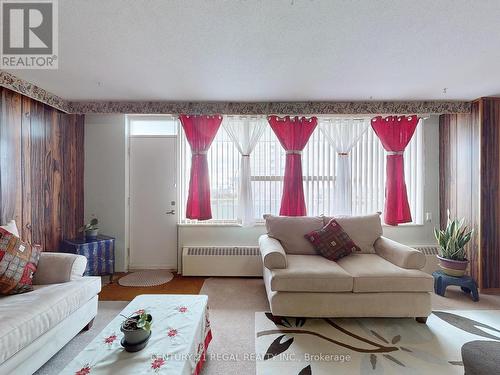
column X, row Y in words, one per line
column 100, row 254
column 466, row 283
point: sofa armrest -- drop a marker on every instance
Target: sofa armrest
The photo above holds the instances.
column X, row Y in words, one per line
column 54, row 268
column 273, row 254
column 399, row 254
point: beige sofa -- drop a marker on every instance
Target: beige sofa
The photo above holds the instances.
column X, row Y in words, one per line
column 384, row 280
column 36, row 325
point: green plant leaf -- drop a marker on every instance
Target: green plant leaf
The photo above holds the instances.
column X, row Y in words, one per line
column 453, row 239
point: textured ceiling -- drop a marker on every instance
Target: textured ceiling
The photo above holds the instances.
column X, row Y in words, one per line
column 262, row 50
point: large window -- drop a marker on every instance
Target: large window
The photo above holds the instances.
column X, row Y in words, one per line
column 319, row 171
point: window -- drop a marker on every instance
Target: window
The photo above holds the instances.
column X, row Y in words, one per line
column 319, row 170
column 153, row 125
column 268, row 167
column 223, row 163
column 368, row 174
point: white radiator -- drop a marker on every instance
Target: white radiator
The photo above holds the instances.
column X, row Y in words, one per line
column 221, row 261
column 246, row 260
column 430, row 252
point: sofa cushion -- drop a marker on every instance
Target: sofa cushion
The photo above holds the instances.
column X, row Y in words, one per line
column 11, row 227
column 399, row 254
column 18, row 262
column 273, row 254
column 372, row 273
column 331, row 241
column 309, row 273
column 363, row 230
column 290, row 230
column 25, row 317
column 54, row 268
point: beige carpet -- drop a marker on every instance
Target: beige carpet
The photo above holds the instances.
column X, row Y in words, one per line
column 233, row 304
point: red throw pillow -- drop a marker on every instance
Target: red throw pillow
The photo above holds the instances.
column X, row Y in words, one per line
column 332, row 241
column 18, row 262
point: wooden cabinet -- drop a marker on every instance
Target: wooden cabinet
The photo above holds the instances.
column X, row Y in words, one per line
column 469, row 183
column 99, row 251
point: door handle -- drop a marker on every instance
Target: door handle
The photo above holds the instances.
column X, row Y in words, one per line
column 171, row 212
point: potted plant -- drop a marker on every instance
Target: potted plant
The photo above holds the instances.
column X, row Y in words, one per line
column 452, row 241
column 136, row 330
column 90, row 229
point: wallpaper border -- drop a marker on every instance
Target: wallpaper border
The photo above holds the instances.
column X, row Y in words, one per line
column 268, row 108
column 231, row 108
column 32, row 91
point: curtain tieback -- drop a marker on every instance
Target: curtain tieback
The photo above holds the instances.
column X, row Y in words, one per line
column 245, row 155
column 297, row 152
column 199, row 153
column 395, row 152
column 342, row 153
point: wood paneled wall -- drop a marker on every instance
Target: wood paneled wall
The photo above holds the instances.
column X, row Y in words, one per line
column 487, row 112
column 41, row 169
column 470, row 183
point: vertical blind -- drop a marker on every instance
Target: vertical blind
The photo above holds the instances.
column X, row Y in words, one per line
column 223, row 164
column 319, row 170
column 369, row 174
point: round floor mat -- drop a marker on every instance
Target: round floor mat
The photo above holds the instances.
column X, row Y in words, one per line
column 146, row 278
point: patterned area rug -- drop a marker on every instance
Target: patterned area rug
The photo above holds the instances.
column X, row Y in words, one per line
column 146, row 278
column 370, row 346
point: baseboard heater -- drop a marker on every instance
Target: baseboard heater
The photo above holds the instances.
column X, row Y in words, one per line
column 221, row 261
column 430, row 252
column 246, row 260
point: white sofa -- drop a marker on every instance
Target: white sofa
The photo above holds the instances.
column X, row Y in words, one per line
column 383, row 281
column 36, row 325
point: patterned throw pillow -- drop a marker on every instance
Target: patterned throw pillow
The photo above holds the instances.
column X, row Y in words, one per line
column 332, row 241
column 18, row 262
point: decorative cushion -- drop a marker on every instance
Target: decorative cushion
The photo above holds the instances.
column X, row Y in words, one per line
column 363, row 230
column 290, row 230
column 11, row 227
column 18, row 262
column 331, row 241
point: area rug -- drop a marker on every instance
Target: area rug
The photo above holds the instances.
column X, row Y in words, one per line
column 370, row 346
column 146, row 278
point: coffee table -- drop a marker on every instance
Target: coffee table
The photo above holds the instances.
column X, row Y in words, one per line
column 180, row 337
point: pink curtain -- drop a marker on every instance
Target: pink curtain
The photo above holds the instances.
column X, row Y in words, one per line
column 200, row 132
column 293, row 134
column 395, row 133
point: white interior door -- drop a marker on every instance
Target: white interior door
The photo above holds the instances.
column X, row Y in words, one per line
column 153, row 210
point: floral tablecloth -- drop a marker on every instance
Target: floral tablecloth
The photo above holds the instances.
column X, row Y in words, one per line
column 179, row 340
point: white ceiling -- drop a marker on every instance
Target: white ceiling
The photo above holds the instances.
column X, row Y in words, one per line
column 271, row 50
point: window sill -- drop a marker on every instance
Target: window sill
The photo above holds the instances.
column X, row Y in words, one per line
column 209, row 225
column 403, row 226
column 262, row 224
